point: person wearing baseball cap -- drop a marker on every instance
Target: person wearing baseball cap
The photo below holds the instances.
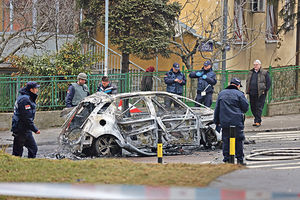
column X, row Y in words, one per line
column 206, row 81
column 22, row 120
column 175, row 81
column 77, row 91
column 230, row 108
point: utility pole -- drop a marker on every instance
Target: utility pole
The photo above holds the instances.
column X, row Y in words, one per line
column 224, row 41
column 298, row 46
column 106, row 39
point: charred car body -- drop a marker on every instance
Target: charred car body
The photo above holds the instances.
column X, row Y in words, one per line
column 106, row 125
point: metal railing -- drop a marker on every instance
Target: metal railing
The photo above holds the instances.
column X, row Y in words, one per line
column 285, row 86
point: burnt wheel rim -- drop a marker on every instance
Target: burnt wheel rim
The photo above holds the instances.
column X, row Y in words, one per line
column 107, row 146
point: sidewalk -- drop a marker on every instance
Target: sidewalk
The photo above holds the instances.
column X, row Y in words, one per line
column 275, row 123
column 46, row 137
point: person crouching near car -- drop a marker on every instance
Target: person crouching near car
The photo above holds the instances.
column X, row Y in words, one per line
column 230, row 108
column 175, row 81
column 106, row 86
column 77, row 91
column 206, row 81
column 22, row 121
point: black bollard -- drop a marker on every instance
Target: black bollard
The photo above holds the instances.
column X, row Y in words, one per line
column 159, row 148
column 232, row 132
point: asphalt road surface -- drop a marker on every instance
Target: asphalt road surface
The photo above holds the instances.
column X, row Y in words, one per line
column 48, row 145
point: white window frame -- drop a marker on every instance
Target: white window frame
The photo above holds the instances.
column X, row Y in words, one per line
column 271, row 24
column 289, row 12
column 240, row 34
column 258, row 6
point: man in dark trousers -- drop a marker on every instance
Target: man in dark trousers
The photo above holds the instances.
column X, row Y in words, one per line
column 175, row 81
column 230, row 108
column 106, row 86
column 147, row 80
column 257, row 86
column 77, row 91
column 206, row 81
column 22, row 121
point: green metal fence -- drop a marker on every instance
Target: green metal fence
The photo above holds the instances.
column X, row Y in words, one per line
column 285, row 86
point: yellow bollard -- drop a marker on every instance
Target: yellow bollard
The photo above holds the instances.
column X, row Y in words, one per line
column 232, row 133
column 159, row 148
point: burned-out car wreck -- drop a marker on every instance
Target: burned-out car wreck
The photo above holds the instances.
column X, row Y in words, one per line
column 107, row 125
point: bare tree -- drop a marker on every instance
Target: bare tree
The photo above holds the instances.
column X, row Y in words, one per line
column 206, row 31
column 31, row 23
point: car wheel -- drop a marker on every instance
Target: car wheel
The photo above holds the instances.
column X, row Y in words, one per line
column 106, row 146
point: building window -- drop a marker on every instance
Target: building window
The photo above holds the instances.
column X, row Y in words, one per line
column 258, row 5
column 52, row 16
column 271, row 21
column 240, row 33
column 288, row 15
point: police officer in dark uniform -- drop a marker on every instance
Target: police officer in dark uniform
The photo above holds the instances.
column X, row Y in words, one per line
column 106, row 86
column 22, row 121
column 175, row 81
column 206, row 81
column 230, row 108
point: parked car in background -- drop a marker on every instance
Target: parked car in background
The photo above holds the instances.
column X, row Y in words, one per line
column 109, row 125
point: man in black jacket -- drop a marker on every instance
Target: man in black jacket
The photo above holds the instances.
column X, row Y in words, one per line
column 22, row 121
column 230, row 108
column 258, row 84
column 106, row 86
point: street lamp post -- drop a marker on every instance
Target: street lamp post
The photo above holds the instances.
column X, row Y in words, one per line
column 106, row 39
column 224, row 41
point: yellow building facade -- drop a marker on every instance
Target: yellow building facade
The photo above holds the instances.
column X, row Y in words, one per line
column 260, row 21
column 164, row 64
column 249, row 24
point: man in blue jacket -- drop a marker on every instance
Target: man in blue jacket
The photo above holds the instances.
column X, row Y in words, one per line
column 230, row 108
column 22, row 121
column 206, row 81
column 175, row 81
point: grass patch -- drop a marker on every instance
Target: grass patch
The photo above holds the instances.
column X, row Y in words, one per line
column 109, row 171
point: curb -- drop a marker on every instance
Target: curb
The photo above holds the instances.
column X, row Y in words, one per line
column 272, row 130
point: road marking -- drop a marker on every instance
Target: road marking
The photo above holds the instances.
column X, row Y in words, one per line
column 266, row 133
column 288, row 136
column 273, row 165
column 296, row 167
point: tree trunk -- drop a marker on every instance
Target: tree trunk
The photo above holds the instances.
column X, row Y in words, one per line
column 124, row 81
column 124, row 71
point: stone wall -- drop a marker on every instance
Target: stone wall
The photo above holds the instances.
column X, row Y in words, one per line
column 284, row 107
column 43, row 120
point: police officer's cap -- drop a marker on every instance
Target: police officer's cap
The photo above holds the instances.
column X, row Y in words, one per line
column 176, row 66
column 206, row 63
column 236, row 81
column 32, row 84
column 82, row 76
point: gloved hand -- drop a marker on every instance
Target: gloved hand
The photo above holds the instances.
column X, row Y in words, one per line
column 199, row 74
column 204, row 76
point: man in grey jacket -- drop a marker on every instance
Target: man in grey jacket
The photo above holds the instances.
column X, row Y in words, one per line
column 77, row 91
column 257, row 85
